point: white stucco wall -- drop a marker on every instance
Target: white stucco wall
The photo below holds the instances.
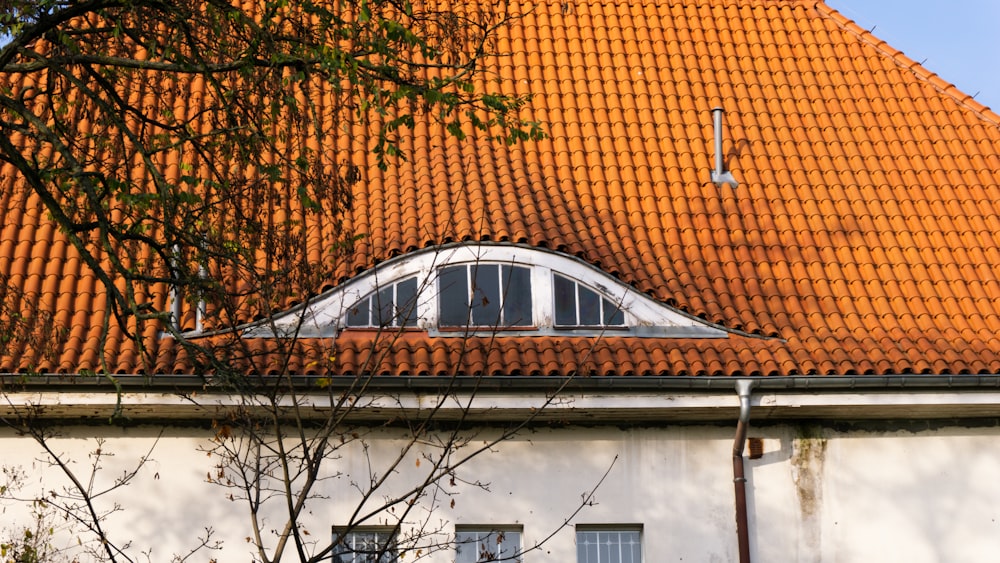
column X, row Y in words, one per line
column 816, row 495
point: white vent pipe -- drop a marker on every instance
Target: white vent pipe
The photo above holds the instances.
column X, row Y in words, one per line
column 720, row 175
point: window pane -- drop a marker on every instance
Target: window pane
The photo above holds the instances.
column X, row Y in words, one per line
column 631, row 550
column 565, row 298
column 516, row 296
column 454, row 296
column 613, row 316
column 383, row 309
column 406, row 302
column 604, row 550
column 590, row 307
column 466, row 547
column 364, row 547
column 480, row 545
column 510, row 545
column 485, row 295
column 586, row 547
column 609, row 546
column 358, row 315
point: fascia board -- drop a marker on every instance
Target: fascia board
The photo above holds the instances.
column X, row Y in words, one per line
column 581, row 407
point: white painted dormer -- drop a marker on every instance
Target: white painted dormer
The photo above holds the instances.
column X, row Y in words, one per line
column 484, row 289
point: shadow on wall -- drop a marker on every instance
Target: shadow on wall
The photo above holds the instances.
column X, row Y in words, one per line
column 163, row 511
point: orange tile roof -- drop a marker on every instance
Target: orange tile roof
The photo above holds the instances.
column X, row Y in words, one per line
column 862, row 238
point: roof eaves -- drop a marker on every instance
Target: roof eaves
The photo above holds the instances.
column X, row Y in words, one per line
column 798, row 383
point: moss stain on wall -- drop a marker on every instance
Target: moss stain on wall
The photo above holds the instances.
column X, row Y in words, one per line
column 807, row 461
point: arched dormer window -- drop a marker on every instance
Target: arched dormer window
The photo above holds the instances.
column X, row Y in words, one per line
column 484, row 288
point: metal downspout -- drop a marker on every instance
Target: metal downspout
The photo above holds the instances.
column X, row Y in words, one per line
column 743, row 388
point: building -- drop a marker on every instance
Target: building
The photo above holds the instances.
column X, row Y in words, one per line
column 828, row 287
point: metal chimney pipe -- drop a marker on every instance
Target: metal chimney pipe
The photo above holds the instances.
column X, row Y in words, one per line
column 717, row 125
column 720, row 176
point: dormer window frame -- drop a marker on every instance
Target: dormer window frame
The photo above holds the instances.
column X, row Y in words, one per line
column 608, row 314
column 392, row 306
column 486, row 297
column 326, row 315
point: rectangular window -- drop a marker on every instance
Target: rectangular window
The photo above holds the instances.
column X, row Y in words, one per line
column 565, row 294
column 607, row 545
column 478, row 545
column 516, row 289
column 454, row 296
column 364, row 546
column 384, row 306
column 406, row 302
column 485, row 295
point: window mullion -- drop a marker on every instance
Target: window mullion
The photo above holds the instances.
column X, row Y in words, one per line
column 395, row 306
column 502, row 291
column 543, row 310
column 600, row 309
column 427, row 281
column 470, row 293
column 576, row 298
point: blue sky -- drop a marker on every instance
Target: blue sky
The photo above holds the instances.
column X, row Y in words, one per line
column 957, row 39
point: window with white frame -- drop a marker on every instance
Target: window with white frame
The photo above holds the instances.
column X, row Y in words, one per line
column 364, row 546
column 577, row 305
column 479, row 545
column 484, row 295
column 394, row 305
column 608, row 545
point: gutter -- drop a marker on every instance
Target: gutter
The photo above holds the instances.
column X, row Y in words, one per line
column 719, row 384
column 743, row 389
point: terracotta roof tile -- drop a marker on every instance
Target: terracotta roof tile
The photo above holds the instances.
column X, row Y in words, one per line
column 862, row 232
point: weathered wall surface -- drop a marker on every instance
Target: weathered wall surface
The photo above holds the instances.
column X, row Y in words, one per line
column 816, row 495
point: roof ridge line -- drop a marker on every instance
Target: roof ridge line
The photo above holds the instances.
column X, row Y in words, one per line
column 905, row 62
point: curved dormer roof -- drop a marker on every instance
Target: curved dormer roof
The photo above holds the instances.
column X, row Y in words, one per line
column 861, row 237
column 639, row 316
